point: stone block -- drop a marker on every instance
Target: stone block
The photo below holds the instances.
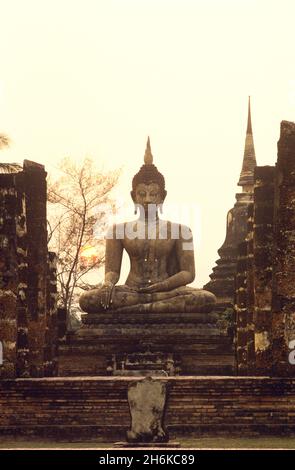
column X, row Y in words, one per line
column 147, row 399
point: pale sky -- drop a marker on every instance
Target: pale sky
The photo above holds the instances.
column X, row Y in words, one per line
column 96, row 77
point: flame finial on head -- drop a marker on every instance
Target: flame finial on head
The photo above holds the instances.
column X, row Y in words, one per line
column 148, row 172
column 148, row 157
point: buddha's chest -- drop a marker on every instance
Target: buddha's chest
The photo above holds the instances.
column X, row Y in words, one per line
column 148, row 249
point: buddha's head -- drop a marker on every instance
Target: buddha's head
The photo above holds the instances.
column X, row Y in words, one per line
column 148, row 185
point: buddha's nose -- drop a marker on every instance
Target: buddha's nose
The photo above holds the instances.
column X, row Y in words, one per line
column 147, row 201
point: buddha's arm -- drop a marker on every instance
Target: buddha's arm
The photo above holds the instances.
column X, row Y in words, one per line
column 186, row 262
column 113, row 260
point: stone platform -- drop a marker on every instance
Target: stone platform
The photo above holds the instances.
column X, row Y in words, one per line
column 88, row 407
column 115, row 343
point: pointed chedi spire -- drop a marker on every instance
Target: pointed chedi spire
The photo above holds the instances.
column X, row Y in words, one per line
column 249, row 162
column 148, row 157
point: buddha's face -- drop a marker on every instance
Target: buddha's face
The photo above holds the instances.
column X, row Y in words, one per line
column 146, row 194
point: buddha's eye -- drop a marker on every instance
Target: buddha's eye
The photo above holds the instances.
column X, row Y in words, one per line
column 142, row 194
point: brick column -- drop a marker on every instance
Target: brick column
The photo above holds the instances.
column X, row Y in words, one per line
column 50, row 352
column 8, row 274
column 35, row 183
column 250, row 294
column 22, row 364
column 263, row 266
column 283, row 325
column 241, row 310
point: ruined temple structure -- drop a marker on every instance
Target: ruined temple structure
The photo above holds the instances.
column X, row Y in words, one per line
column 27, row 275
column 265, row 281
column 222, row 282
column 255, row 272
column 113, row 350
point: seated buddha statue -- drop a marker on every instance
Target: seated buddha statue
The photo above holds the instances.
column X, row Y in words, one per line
column 161, row 257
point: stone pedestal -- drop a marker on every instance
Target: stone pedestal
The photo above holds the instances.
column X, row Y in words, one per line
column 115, row 343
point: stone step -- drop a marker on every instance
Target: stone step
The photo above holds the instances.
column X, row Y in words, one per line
column 98, row 407
column 112, row 318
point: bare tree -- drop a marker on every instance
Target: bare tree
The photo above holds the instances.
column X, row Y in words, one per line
column 74, row 201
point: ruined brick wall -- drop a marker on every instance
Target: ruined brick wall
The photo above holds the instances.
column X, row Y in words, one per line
column 8, row 274
column 98, row 407
column 283, row 321
column 244, row 302
column 51, row 331
column 35, row 182
column 250, row 350
column 241, row 310
column 254, row 281
column 27, row 276
column 265, row 280
column 263, row 240
column 22, row 364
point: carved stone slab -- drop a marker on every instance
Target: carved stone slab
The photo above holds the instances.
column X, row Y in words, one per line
column 147, row 400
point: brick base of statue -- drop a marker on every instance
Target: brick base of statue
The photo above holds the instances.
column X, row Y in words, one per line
column 114, row 343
